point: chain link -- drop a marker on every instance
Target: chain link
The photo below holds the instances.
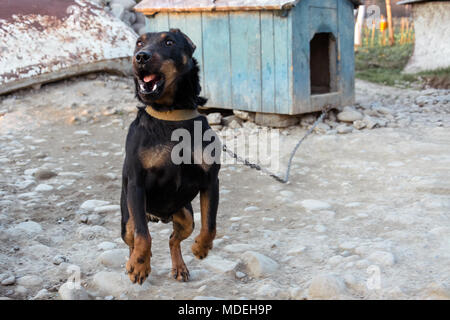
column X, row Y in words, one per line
column 288, row 170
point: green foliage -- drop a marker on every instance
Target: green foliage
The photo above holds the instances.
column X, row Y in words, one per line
column 384, row 64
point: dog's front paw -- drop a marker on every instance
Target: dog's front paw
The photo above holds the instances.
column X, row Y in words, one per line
column 138, row 267
column 180, row 273
column 200, row 248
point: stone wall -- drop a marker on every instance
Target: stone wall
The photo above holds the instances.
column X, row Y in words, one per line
column 432, row 30
column 123, row 9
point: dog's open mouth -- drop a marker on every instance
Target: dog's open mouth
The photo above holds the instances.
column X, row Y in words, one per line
column 151, row 84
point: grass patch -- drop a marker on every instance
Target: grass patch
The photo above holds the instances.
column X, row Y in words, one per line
column 384, row 65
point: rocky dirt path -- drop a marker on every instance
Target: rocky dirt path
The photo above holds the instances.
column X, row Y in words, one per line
column 366, row 215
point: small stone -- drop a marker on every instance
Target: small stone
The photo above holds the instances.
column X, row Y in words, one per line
column 267, row 290
column 244, row 115
column 109, row 298
column 219, row 264
column 327, row 287
column 57, row 260
column 251, row 208
column 94, row 219
column 90, row 205
column 126, row 4
column 359, row 124
column 234, row 124
column 335, row 260
column 9, row 281
column 382, row 257
column 43, row 187
column 44, row 174
column 307, row 119
column 297, row 293
column 83, row 218
column 72, row 291
column 322, row 128
column 114, row 258
column 28, row 227
column 258, row 264
column 43, row 294
column 287, row 193
column 214, row 118
column 29, row 281
column 138, row 26
column 240, row 275
column 423, row 100
column 437, row 291
column 296, row 251
column 347, row 245
column 311, row 204
column 363, row 263
column 116, row 283
column 91, row 232
column 343, row 129
column 21, row 290
column 370, row 122
column 349, row 115
column 217, row 127
column 228, row 119
column 238, row 247
column 106, row 245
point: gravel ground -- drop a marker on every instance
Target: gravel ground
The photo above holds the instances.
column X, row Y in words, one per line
column 365, row 216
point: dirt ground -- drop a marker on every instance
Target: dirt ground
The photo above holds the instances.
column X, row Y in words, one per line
column 366, row 215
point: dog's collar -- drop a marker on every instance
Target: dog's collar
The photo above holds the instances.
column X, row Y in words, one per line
column 173, row 115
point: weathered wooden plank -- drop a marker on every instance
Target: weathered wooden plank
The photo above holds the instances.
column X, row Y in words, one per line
column 152, row 6
column 300, row 53
column 177, row 20
column 192, row 27
column 282, row 47
column 157, row 23
column 245, row 39
column 346, row 56
column 325, row 17
column 267, row 63
column 216, row 59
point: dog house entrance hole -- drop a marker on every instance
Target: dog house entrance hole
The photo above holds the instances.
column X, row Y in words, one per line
column 323, row 63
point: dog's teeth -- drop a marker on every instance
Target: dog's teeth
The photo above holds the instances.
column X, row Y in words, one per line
column 142, row 87
column 154, row 87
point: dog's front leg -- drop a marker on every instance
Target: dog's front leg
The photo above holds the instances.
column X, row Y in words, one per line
column 138, row 265
column 209, row 201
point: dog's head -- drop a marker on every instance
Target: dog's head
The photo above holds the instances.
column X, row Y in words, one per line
column 165, row 73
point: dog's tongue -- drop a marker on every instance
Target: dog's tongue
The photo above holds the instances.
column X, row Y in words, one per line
column 149, row 78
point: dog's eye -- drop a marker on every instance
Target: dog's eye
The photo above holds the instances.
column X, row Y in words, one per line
column 139, row 43
column 169, row 42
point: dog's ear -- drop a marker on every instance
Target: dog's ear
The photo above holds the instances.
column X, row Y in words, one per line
column 192, row 46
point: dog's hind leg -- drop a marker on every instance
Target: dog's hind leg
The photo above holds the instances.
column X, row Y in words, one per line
column 183, row 225
column 209, row 201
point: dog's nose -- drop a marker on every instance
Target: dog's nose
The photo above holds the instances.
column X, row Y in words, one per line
column 142, row 57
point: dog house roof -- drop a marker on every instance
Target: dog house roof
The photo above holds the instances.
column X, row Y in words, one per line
column 416, row 1
column 154, row 6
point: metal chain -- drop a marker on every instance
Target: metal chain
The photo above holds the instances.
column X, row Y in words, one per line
column 288, row 170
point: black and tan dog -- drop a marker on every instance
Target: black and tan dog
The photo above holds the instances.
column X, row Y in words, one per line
column 154, row 187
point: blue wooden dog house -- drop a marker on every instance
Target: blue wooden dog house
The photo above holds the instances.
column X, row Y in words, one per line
column 285, row 57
